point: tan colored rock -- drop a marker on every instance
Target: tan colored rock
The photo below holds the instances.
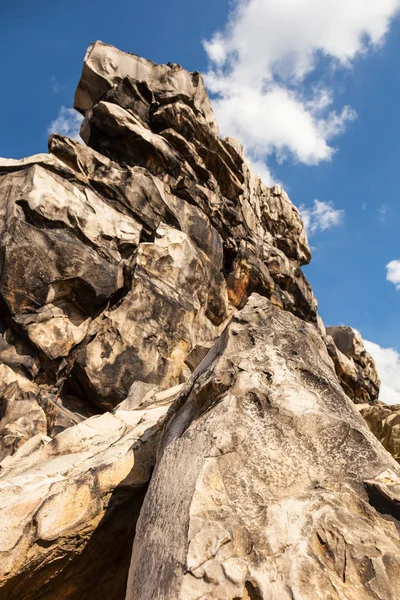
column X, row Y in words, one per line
column 105, row 66
column 267, row 479
column 354, row 366
column 123, row 262
column 169, row 310
column 21, row 416
column 384, row 422
column 57, row 498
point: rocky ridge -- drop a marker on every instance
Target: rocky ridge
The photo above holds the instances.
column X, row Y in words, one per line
column 154, row 316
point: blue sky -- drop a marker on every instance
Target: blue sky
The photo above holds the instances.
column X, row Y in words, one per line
column 356, row 171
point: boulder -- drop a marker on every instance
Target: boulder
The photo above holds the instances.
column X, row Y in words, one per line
column 68, row 505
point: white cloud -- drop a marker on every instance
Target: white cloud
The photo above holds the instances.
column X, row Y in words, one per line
column 387, row 362
column 321, row 216
column 263, row 172
column 393, row 273
column 67, row 122
column 259, row 63
column 57, row 87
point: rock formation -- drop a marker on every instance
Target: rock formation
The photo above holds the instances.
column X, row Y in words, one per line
column 156, row 326
column 268, row 483
column 353, row 365
column 384, row 422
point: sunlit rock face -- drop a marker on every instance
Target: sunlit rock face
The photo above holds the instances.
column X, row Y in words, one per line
column 161, row 354
column 384, row 422
column 285, row 479
column 354, row 366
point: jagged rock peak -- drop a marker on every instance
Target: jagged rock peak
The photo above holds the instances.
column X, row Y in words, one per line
column 105, row 67
column 156, row 326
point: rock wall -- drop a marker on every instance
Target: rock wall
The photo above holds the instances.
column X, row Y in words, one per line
column 151, row 289
column 353, row 365
column 384, row 422
column 268, row 483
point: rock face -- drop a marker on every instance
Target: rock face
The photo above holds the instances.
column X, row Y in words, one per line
column 151, row 289
column 267, row 479
column 353, row 365
column 64, row 503
column 384, row 422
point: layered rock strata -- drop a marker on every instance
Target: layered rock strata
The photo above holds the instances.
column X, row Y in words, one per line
column 151, row 288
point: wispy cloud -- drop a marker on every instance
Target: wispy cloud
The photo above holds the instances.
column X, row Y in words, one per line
column 393, row 273
column 263, row 172
column 56, row 86
column 260, row 61
column 382, row 210
column 67, row 122
column 321, row 216
column 387, row 362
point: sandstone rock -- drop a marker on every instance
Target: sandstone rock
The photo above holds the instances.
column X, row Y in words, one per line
column 122, row 264
column 267, row 478
column 173, row 140
column 21, row 416
column 384, row 422
column 149, row 334
column 105, row 66
column 354, row 366
column 56, row 494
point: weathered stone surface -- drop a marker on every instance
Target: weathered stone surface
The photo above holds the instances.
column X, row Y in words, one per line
column 54, row 494
column 384, row 422
column 267, row 479
column 167, row 311
column 105, row 66
column 354, row 366
column 122, row 264
column 21, row 416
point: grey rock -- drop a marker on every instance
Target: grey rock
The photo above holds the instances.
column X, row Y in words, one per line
column 129, row 268
column 264, row 476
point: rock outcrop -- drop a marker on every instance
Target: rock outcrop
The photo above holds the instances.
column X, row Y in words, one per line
column 384, row 422
column 354, row 366
column 154, row 315
column 68, row 506
column 267, row 479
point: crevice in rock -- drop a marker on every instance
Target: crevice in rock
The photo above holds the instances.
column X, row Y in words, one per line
column 230, row 255
column 382, row 503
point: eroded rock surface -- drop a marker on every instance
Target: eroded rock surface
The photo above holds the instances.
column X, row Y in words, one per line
column 123, row 263
column 268, row 483
column 354, row 366
column 384, row 422
column 70, row 501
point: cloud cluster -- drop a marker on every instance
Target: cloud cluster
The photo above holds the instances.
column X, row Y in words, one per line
column 67, row 122
column 393, row 273
column 387, row 362
column 321, row 216
column 259, row 64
